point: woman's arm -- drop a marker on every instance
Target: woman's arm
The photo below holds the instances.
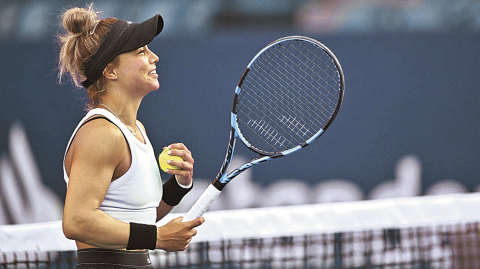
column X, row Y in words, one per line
column 96, row 152
column 99, row 153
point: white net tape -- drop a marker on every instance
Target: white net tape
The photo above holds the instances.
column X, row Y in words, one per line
column 281, row 221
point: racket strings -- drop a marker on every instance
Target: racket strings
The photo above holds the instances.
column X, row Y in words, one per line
column 285, row 123
column 282, row 83
column 269, row 127
column 304, row 58
column 302, row 76
column 303, row 55
column 272, row 134
column 285, row 94
column 289, row 94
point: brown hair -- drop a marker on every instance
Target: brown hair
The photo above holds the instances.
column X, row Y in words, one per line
column 84, row 35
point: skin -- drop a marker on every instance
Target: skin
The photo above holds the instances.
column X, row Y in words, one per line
column 100, row 154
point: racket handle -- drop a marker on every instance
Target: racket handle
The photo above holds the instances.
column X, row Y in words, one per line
column 203, row 203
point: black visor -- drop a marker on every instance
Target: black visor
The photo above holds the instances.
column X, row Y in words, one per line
column 124, row 36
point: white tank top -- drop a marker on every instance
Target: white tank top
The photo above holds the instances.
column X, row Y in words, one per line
column 134, row 196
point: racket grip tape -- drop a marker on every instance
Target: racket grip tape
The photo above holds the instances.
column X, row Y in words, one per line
column 203, row 203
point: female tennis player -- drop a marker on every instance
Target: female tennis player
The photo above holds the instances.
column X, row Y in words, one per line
column 115, row 194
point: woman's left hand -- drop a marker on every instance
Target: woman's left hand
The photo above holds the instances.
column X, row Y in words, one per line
column 185, row 174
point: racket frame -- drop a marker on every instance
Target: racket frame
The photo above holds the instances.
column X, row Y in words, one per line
column 222, row 178
column 214, row 189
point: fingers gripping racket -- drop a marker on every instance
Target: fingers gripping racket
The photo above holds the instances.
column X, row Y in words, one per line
column 287, row 97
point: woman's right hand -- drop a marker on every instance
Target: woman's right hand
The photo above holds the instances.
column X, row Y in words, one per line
column 176, row 235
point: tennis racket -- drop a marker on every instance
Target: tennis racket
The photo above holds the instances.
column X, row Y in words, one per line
column 287, row 97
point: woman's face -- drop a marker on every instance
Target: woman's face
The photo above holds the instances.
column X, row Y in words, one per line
column 136, row 70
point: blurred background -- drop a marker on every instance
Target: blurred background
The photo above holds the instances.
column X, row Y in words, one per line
column 37, row 20
column 408, row 125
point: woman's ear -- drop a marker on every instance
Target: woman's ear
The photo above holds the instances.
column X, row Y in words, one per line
column 109, row 72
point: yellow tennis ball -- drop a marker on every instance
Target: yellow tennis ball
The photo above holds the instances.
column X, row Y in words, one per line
column 164, row 157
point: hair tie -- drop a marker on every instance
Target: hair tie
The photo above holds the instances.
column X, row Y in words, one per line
column 95, row 27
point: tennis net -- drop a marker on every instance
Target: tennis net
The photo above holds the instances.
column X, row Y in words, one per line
column 417, row 232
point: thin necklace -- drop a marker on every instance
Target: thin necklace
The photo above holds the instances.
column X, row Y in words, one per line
column 128, row 127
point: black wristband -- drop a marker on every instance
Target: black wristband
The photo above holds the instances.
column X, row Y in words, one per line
column 142, row 236
column 172, row 192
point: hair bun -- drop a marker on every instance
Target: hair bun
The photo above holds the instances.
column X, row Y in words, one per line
column 79, row 20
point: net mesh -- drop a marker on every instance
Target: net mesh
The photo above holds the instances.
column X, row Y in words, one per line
column 421, row 232
column 289, row 93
